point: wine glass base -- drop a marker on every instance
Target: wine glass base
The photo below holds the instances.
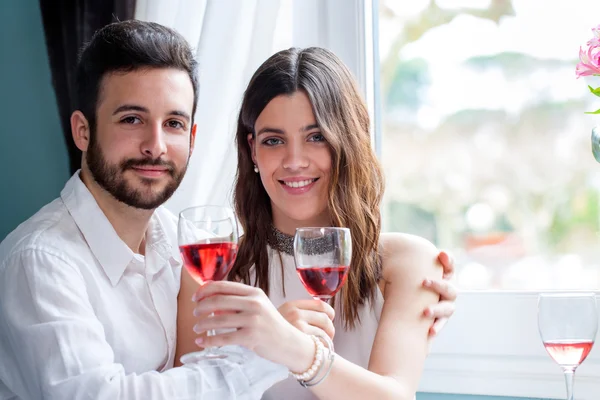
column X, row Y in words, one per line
column 213, row 358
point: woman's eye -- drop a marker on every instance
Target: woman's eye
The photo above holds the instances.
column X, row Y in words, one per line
column 318, row 137
column 272, row 141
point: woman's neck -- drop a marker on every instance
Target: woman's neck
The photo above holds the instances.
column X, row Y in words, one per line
column 288, row 225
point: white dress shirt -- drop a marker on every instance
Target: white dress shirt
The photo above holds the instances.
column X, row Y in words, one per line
column 83, row 317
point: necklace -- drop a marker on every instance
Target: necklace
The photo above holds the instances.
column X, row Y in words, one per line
column 285, row 243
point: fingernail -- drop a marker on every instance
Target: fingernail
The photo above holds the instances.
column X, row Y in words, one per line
column 427, row 282
column 195, row 297
column 197, row 329
column 199, row 341
column 196, row 313
column 427, row 312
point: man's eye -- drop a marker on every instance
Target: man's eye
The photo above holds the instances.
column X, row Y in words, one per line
column 175, row 124
column 131, row 120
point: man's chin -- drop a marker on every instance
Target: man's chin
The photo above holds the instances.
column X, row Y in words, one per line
column 132, row 176
column 144, row 202
column 142, row 196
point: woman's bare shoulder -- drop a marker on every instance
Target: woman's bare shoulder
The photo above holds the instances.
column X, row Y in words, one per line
column 406, row 255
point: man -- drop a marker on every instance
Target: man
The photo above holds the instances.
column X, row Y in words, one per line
column 89, row 284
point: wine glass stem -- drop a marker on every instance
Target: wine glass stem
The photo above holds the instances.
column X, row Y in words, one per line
column 570, row 378
column 211, row 332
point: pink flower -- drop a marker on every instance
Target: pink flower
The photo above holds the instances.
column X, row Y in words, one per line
column 589, row 60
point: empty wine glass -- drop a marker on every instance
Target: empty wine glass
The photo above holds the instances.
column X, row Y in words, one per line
column 208, row 237
column 568, row 323
column 322, row 257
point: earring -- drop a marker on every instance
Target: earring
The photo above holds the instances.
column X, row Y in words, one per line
column 255, row 169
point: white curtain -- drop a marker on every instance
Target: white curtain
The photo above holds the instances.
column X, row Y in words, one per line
column 231, row 39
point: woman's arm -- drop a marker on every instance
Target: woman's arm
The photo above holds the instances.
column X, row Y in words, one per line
column 401, row 342
column 260, row 326
column 308, row 316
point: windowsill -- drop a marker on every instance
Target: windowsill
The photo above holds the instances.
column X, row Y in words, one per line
column 491, row 346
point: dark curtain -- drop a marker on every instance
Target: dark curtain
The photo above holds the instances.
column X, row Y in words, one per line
column 68, row 24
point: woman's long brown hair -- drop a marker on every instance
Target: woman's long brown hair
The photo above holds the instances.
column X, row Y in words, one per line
column 356, row 184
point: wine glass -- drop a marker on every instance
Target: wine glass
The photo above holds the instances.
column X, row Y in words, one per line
column 596, row 143
column 568, row 323
column 208, row 237
column 322, row 257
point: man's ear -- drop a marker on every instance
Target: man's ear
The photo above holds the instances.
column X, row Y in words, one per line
column 80, row 129
column 193, row 138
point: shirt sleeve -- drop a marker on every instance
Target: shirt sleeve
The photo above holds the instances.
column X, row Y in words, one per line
column 52, row 346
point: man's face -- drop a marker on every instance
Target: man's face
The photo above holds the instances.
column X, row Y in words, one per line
column 141, row 146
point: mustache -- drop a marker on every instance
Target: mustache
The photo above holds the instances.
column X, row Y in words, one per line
column 147, row 162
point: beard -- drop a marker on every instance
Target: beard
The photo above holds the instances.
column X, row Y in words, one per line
column 111, row 178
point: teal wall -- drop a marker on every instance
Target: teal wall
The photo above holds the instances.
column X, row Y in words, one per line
column 33, row 156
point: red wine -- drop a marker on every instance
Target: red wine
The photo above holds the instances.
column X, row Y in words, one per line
column 208, row 261
column 323, row 282
column 569, row 352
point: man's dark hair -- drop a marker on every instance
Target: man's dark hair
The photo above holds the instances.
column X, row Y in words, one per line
column 129, row 46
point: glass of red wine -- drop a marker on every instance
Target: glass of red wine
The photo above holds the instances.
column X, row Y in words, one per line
column 322, row 257
column 208, row 237
column 568, row 323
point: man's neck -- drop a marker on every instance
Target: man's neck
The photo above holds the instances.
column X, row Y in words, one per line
column 129, row 223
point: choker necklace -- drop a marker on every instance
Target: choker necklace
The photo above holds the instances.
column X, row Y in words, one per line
column 285, row 243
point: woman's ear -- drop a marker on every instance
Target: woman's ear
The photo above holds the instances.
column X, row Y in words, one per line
column 250, row 138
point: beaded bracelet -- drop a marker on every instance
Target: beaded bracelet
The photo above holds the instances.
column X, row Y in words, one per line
column 313, row 370
column 307, row 378
column 311, row 383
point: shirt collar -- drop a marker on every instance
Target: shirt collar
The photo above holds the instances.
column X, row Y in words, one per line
column 111, row 252
column 160, row 237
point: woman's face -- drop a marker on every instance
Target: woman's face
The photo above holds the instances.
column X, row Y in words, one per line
column 294, row 162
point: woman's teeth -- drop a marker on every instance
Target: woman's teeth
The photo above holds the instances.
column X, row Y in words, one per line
column 299, row 184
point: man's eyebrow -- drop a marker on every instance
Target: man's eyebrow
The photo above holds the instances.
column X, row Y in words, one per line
column 130, row 107
column 181, row 114
column 134, row 107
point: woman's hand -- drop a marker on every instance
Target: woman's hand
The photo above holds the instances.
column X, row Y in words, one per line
column 313, row 317
column 259, row 325
column 443, row 310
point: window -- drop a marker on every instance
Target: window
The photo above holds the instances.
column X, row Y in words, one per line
column 486, row 151
column 487, row 147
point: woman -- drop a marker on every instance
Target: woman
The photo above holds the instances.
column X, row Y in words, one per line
column 305, row 159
